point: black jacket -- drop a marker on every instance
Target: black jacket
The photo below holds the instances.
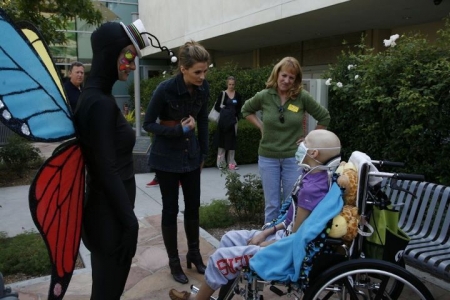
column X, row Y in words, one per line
column 172, row 149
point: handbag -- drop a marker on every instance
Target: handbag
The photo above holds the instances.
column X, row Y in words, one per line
column 214, row 114
column 388, row 241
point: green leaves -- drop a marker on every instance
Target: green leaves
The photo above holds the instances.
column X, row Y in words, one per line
column 25, row 253
column 398, row 108
column 52, row 16
column 18, row 154
column 246, row 197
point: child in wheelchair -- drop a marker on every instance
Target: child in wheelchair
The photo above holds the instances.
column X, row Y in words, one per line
column 238, row 247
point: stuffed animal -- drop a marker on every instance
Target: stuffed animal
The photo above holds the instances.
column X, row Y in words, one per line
column 350, row 214
column 345, row 225
column 338, row 227
column 348, row 180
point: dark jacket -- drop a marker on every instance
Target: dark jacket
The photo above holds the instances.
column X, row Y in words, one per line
column 73, row 93
column 174, row 150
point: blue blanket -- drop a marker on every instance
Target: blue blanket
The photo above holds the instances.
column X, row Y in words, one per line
column 282, row 260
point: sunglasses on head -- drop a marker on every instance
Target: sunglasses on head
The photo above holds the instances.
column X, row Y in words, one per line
column 281, row 111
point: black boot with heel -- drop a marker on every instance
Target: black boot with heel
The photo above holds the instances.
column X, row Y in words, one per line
column 177, row 271
column 193, row 256
column 170, row 241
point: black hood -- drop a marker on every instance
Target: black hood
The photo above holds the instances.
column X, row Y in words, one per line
column 107, row 41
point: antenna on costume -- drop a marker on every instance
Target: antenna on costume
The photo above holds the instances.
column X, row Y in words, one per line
column 173, row 58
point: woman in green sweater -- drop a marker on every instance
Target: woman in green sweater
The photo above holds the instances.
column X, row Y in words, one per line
column 283, row 104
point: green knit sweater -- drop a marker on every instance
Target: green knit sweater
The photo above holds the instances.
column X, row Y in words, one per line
column 279, row 139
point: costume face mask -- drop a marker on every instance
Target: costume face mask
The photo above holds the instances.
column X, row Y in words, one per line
column 126, row 60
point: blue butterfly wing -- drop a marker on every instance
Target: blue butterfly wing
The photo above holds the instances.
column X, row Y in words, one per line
column 32, row 101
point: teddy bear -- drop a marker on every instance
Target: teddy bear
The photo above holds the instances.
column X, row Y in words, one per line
column 348, row 180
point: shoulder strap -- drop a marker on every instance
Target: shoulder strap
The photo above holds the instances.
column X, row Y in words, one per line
column 223, row 98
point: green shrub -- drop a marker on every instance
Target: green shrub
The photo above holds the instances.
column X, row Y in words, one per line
column 246, row 197
column 217, row 214
column 395, row 104
column 19, row 154
column 25, row 253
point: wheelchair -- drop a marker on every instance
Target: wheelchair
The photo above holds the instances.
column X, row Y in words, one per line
column 5, row 292
column 339, row 270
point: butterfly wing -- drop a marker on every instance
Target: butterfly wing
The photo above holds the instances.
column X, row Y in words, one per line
column 32, row 101
column 56, row 204
column 33, row 104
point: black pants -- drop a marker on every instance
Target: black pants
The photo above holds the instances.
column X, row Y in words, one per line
column 169, row 187
column 102, row 231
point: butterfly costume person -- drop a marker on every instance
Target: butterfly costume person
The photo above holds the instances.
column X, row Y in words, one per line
column 63, row 205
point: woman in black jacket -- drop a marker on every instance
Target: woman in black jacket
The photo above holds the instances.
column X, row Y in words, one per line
column 178, row 152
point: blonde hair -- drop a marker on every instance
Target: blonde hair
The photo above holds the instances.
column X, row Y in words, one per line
column 191, row 53
column 286, row 64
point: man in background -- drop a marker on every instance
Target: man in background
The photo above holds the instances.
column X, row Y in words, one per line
column 73, row 85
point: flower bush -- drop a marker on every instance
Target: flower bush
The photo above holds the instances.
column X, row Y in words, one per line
column 395, row 104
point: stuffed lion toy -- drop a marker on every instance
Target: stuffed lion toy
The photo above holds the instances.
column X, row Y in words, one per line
column 348, row 180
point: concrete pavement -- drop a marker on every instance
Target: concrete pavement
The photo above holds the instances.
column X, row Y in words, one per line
column 150, row 276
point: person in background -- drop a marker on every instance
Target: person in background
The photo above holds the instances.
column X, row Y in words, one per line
column 110, row 227
column 73, row 85
column 238, row 246
column 230, row 111
column 154, row 181
column 177, row 154
column 283, row 104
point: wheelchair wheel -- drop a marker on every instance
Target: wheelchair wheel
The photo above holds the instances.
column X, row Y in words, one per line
column 366, row 279
column 232, row 288
column 396, row 288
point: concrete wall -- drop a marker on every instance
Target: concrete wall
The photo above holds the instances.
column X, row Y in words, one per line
column 211, row 18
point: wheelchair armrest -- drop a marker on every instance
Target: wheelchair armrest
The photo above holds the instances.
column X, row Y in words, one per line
column 333, row 241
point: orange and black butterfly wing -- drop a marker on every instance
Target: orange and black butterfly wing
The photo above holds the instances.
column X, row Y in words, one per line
column 56, row 205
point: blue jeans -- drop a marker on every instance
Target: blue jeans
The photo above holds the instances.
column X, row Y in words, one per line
column 278, row 178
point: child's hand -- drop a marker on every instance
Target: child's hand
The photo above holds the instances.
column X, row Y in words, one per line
column 257, row 239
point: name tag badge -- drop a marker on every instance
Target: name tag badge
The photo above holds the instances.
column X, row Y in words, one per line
column 293, row 108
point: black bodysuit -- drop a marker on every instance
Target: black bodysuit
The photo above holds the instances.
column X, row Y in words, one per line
column 110, row 226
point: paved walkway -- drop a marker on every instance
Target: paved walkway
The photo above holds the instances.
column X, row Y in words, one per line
column 150, row 276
